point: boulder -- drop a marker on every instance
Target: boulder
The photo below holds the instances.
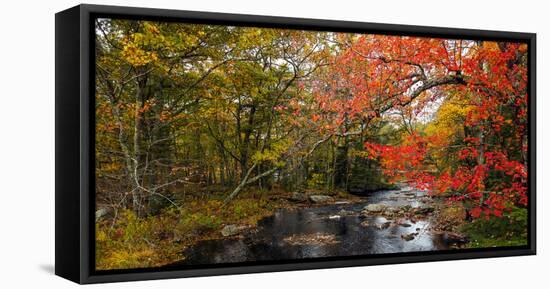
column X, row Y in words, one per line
column 423, row 210
column 426, row 199
column 374, row 208
column 408, row 237
column 392, row 211
column 321, row 199
column 102, row 213
column 343, row 212
column 298, row 197
column 383, row 226
column 231, row 230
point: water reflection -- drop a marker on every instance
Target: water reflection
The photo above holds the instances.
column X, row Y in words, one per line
column 354, row 234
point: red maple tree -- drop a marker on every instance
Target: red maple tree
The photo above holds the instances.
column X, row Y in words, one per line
column 374, row 75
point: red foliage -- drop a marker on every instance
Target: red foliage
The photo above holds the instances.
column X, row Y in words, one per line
column 378, row 73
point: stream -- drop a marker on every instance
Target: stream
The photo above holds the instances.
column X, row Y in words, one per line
column 325, row 231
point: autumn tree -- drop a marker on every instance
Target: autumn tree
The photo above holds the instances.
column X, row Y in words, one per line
column 377, row 76
column 189, row 108
column 147, row 75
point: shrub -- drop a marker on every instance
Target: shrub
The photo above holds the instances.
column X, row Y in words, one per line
column 509, row 230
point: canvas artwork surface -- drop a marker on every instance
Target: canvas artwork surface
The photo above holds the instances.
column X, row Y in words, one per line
column 219, row 144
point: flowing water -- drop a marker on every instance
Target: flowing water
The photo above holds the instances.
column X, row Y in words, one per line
column 326, row 231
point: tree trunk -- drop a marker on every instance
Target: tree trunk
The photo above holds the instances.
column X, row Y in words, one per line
column 246, row 181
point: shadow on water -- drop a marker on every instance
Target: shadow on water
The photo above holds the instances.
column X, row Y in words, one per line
column 350, row 234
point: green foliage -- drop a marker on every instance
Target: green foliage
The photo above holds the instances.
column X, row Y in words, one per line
column 509, row 230
column 200, row 220
column 366, row 177
column 316, row 181
column 273, row 153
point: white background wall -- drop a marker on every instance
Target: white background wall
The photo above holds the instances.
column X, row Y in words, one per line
column 27, row 144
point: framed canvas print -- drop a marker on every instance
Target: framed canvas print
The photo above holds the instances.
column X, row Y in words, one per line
column 192, row 144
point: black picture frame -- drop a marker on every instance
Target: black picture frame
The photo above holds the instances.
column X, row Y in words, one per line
column 74, row 137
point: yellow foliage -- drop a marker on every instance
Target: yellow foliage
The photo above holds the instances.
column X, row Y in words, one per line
column 140, row 48
column 446, row 128
column 132, row 242
column 273, row 153
column 151, row 28
column 449, row 119
column 137, row 56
